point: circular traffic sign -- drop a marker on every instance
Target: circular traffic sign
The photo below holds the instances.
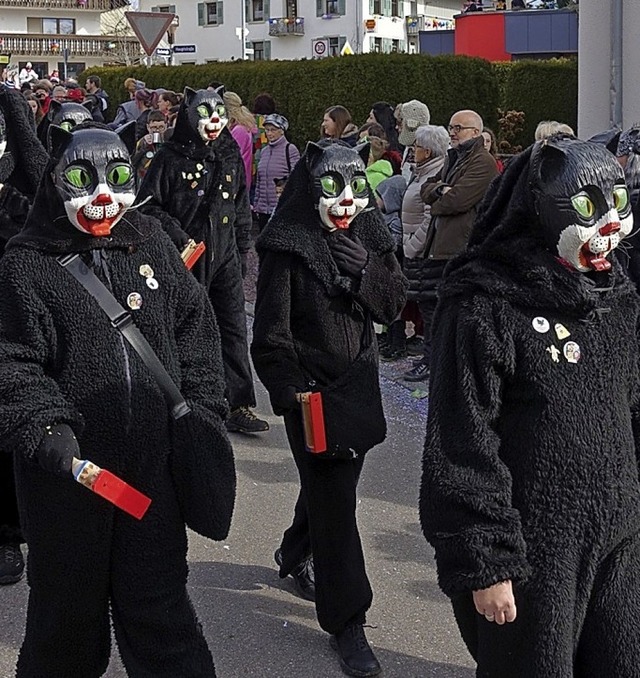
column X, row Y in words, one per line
column 319, row 47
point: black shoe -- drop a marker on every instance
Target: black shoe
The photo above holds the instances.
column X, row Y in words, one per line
column 355, row 653
column 303, row 576
column 419, row 372
column 11, row 563
column 243, row 420
column 391, row 353
column 415, row 346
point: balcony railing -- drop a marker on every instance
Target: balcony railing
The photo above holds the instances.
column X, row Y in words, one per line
column 53, row 45
column 95, row 5
column 281, row 26
column 415, row 24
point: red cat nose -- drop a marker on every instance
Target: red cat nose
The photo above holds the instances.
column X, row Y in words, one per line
column 346, row 202
column 103, row 199
column 611, row 227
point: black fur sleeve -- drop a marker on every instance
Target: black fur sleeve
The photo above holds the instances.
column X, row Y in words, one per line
column 383, row 288
column 30, row 400
column 465, row 500
column 14, row 207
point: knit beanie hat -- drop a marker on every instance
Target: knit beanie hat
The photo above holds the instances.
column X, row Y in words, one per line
column 414, row 114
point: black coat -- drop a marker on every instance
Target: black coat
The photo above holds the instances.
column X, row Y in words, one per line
column 198, row 191
column 61, row 360
column 309, row 319
column 530, row 467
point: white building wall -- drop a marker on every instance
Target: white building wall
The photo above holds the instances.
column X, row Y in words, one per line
column 220, row 43
column 594, row 66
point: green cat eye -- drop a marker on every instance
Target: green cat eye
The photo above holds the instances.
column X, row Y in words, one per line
column 221, row 111
column 329, row 185
column 621, row 198
column 119, row 175
column 203, row 111
column 583, row 205
column 359, row 185
column 78, row 177
column 67, row 126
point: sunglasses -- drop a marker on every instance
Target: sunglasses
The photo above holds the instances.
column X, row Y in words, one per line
column 458, row 128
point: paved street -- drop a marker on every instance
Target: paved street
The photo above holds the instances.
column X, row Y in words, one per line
column 254, row 623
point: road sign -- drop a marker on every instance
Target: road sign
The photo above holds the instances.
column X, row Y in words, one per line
column 320, row 48
column 370, row 25
column 346, row 49
column 163, row 51
column 149, row 27
column 184, row 49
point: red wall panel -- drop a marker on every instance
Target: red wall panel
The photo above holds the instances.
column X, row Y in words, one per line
column 481, row 34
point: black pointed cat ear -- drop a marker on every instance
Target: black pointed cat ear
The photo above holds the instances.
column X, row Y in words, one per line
column 127, row 133
column 54, row 107
column 188, row 95
column 312, row 153
column 220, row 90
column 363, row 151
column 57, row 140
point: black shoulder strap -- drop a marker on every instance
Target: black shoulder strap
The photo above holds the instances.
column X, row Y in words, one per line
column 123, row 322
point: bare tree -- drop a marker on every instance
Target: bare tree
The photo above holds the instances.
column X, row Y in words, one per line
column 124, row 48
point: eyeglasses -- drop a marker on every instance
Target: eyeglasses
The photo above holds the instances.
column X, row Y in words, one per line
column 156, row 128
column 458, row 128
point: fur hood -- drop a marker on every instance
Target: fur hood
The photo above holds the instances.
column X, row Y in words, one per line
column 507, row 257
column 295, row 228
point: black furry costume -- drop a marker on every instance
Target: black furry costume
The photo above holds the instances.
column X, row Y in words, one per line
column 309, row 321
column 530, row 468
column 198, row 191
column 21, row 167
column 61, row 361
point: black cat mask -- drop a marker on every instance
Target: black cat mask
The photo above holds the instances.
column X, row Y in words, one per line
column 206, row 113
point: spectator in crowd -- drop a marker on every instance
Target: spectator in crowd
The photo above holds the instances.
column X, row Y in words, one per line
column 93, row 85
column 338, row 126
column 27, row 75
column 431, row 146
column 412, row 114
column 146, row 101
column 491, row 145
column 627, row 142
column 147, row 147
column 453, row 195
column 166, row 101
column 263, row 105
column 378, row 169
column 59, row 93
column 242, row 126
column 383, row 113
column 128, row 110
column 518, row 4
column 34, row 105
column 547, row 128
column 276, row 162
column 76, row 94
column 42, row 90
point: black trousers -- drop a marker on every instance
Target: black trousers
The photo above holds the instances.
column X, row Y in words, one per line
column 10, row 532
column 427, row 310
column 324, row 524
column 575, row 620
column 226, row 294
column 86, row 558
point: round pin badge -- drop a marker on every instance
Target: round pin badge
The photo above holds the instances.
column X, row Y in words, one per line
column 541, row 325
column 152, row 283
column 571, row 352
column 146, row 271
column 134, row 301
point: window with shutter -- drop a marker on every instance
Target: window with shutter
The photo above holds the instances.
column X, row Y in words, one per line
column 267, row 50
column 342, row 7
column 386, row 7
column 155, row 9
column 320, row 7
column 220, row 18
column 201, row 14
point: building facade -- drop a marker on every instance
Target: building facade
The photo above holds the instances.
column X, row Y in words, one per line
column 298, row 29
column 60, row 35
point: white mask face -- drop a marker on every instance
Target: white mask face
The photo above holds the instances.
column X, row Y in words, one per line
column 341, row 202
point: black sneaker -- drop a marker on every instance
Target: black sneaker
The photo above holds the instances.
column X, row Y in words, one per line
column 243, row 420
column 11, row 563
column 354, row 652
column 415, row 346
column 419, row 372
column 303, row 576
column 392, row 353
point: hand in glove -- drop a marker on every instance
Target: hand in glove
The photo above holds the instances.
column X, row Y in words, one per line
column 179, row 237
column 350, row 255
column 57, row 449
column 289, row 398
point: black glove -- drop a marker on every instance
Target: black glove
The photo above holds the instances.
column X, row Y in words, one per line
column 243, row 264
column 350, row 255
column 179, row 237
column 57, row 449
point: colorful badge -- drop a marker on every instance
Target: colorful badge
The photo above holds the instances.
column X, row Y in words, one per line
column 561, row 331
column 146, row 271
column 134, row 301
column 571, row 352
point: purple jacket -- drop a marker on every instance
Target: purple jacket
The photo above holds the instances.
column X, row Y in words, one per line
column 273, row 165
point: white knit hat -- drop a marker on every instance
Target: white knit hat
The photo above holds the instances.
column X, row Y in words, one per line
column 414, row 114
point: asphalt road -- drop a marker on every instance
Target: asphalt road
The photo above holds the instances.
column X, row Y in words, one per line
column 254, row 623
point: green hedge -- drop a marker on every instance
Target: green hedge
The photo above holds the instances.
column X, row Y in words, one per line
column 304, row 89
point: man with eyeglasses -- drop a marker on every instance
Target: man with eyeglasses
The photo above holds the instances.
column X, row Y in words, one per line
column 454, row 194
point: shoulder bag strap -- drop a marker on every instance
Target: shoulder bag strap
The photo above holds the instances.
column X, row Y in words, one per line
column 123, row 322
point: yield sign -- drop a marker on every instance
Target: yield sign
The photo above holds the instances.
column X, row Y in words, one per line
column 149, row 27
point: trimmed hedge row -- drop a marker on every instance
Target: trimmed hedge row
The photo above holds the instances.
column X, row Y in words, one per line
column 304, row 89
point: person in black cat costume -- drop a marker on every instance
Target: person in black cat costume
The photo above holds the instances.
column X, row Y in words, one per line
column 196, row 186
column 327, row 270
column 22, row 162
column 530, row 491
column 70, row 386
column 66, row 115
